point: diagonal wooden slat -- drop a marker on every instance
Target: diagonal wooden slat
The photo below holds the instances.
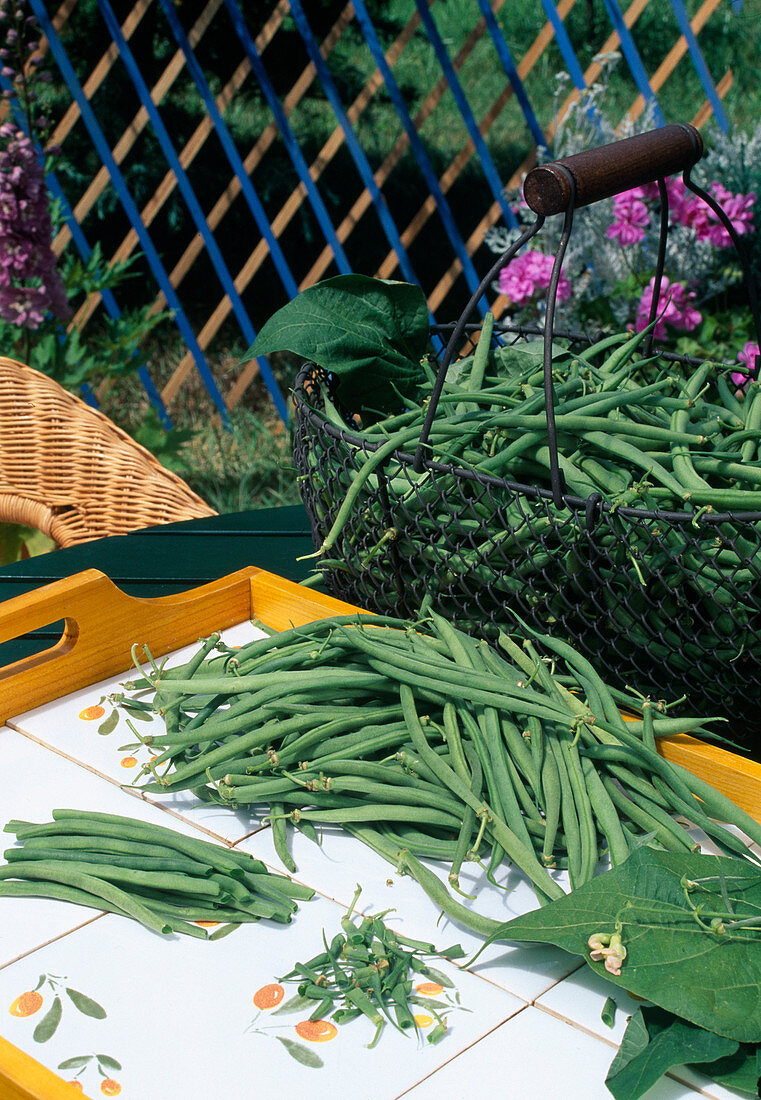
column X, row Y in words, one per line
column 674, row 56
column 706, row 110
column 427, row 209
column 288, row 210
column 493, row 214
column 260, row 253
column 99, row 72
column 291, row 206
column 400, row 146
column 188, row 153
column 140, row 120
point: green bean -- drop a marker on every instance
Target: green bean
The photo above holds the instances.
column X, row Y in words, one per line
column 279, row 826
column 606, row 814
column 48, row 871
column 515, row 850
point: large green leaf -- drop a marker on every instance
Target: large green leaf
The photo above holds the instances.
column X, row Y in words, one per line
column 712, row 980
column 653, row 1042
column 372, row 333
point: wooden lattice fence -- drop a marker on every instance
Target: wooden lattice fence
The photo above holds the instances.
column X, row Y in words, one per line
column 359, row 182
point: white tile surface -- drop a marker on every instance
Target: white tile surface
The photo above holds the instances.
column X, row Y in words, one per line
column 534, row 1056
column 341, row 862
column 579, row 1000
column 65, row 725
column 33, row 782
column 205, row 989
column 557, row 1047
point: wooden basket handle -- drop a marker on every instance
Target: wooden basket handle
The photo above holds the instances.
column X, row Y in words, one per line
column 609, row 169
column 101, row 624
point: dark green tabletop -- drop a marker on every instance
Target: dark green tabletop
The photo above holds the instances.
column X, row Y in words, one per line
column 159, row 561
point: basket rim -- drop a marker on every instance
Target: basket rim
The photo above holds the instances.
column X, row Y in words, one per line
column 593, row 506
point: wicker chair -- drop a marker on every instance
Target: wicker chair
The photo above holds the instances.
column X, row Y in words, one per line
column 68, row 471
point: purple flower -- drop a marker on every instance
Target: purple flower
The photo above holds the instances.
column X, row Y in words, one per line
column 30, row 286
column 527, row 275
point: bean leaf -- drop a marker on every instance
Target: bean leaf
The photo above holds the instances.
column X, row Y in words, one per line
column 46, row 1027
column 653, row 1042
column 301, row 1053
column 371, row 333
column 712, row 980
column 86, row 1005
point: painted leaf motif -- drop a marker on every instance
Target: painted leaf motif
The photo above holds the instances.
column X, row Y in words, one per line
column 46, row 1027
column 301, row 1053
column 371, row 333
column 138, row 712
column 108, row 725
column 107, row 1062
column 41, row 982
column 659, row 1041
column 86, row 1005
column 710, row 980
column 295, row 1004
column 75, row 1063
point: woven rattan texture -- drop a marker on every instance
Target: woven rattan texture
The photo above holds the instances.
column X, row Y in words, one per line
column 68, row 471
column 638, row 593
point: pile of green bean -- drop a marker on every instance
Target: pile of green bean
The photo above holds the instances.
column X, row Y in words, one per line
column 165, row 880
column 637, row 432
column 428, row 743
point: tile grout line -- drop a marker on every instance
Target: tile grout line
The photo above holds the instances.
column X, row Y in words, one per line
column 53, row 939
column 465, row 1049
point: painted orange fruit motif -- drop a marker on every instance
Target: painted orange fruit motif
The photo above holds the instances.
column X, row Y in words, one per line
column 207, row 923
column 76, row 1085
column 316, row 1031
column 26, row 1004
column 110, row 1087
column 269, row 996
column 423, row 1021
column 429, row 989
column 128, row 761
column 91, row 713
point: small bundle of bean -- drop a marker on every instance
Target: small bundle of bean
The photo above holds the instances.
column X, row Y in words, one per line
column 367, row 970
column 163, row 879
column 428, row 743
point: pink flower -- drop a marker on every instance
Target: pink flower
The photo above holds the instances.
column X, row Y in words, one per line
column 632, row 217
column 527, row 275
column 690, row 210
column 748, row 356
column 674, row 307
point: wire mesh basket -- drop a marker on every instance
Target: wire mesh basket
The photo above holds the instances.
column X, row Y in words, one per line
column 665, row 602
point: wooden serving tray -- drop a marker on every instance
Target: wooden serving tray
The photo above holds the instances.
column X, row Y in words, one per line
column 101, row 626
